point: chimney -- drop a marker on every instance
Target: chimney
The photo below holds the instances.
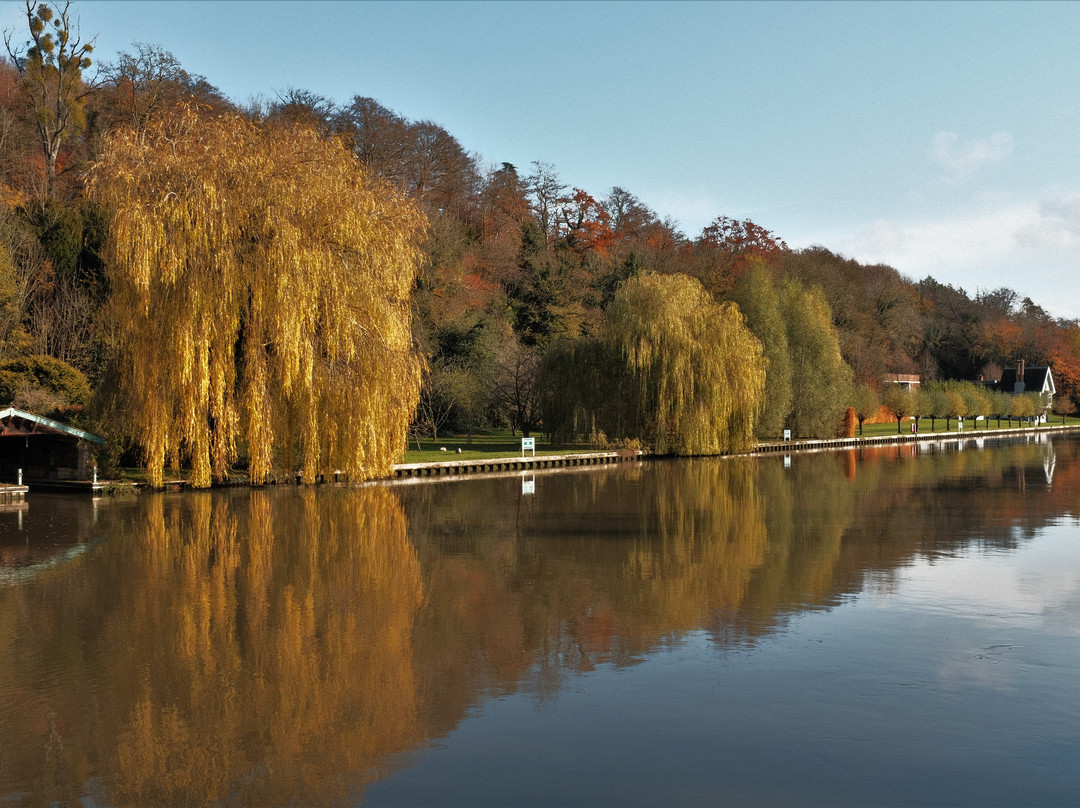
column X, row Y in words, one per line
column 1020, row 371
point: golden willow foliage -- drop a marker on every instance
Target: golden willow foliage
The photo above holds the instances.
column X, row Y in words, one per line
column 700, row 371
column 261, row 286
column 281, row 633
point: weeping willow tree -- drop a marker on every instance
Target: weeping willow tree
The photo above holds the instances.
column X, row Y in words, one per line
column 697, row 372
column 260, row 297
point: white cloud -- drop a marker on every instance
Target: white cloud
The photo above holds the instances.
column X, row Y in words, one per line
column 1031, row 247
column 962, row 241
column 1057, row 226
column 961, row 160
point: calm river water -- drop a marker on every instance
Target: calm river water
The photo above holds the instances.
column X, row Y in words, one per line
column 898, row 626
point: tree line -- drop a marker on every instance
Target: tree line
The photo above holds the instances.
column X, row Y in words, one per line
column 298, row 282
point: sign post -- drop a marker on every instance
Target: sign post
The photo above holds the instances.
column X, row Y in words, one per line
column 528, row 443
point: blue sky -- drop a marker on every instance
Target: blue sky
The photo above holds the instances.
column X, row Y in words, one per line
column 940, row 138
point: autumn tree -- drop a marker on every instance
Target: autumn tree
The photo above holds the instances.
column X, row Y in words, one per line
column 260, row 283
column 957, row 403
column 976, row 400
column 697, row 372
column 757, row 297
column 629, row 216
column 821, row 380
column 41, row 384
column 20, row 161
column 1063, row 356
column 142, row 84
column 515, row 390
column 866, row 402
column 1000, row 405
column 545, row 191
column 504, row 206
column 901, row 401
column 951, row 322
column 51, row 68
column 936, row 404
column 726, row 249
column 22, row 270
column 875, row 311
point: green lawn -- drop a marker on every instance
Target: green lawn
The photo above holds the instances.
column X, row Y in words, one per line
column 506, row 445
column 482, row 447
column 486, row 447
column 874, row 430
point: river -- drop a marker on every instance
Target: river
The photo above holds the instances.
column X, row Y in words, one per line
column 887, row 626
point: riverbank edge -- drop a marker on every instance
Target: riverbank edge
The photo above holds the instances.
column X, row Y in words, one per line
column 416, row 472
column 457, row 469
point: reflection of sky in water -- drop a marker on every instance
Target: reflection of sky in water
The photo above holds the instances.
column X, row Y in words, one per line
column 947, row 686
column 1036, row 584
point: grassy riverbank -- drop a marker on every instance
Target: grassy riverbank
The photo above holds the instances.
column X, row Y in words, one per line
column 505, row 445
column 484, row 447
column 479, row 447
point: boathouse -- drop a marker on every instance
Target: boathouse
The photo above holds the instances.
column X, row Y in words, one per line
column 43, row 449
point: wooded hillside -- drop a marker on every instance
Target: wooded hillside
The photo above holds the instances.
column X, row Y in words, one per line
column 517, row 275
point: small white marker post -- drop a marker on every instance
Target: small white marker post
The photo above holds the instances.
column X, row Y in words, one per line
column 528, row 443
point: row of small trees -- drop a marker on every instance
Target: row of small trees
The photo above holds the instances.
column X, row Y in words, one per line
column 949, row 400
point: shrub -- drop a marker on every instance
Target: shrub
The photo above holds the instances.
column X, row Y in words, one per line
column 42, row 384
column 850, row 422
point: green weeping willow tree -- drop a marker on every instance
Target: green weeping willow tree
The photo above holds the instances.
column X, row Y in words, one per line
column 697, row 373
column 260, row 287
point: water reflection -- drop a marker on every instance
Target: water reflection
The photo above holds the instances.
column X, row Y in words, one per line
column 251, row 649
column 282, row 646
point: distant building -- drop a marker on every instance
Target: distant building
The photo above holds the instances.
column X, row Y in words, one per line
column 908, row 381
column 43, row 448
column 1021, row 379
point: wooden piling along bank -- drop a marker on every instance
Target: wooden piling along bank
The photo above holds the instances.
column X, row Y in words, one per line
column 10, row 494
column 500, row 464
column 798, row 445
column 452, row 468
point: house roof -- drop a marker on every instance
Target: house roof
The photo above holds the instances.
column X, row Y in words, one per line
column 1036, row 380
column 18, row 422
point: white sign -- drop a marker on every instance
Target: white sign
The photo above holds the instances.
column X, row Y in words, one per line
column 787, row 434
column 528, row 443
column 528, row 485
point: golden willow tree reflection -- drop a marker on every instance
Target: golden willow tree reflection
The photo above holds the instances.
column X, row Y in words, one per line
column 284, row 656
column 260, row 295
column 216, row 649
column 654, row 552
